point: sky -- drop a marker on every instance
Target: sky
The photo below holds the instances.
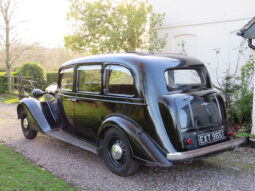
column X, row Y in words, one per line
column 45, row 21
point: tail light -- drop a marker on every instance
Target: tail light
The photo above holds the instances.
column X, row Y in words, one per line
column 189, row 141
column 231, row 133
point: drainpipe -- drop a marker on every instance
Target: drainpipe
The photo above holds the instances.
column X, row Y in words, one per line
column 253, row 108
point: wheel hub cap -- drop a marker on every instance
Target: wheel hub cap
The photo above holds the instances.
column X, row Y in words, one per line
column 116, row 151
column 25, row 123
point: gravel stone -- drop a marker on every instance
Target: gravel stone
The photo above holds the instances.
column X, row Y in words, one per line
column 86, row 171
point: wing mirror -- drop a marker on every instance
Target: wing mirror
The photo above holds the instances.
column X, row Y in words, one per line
column 37, row 93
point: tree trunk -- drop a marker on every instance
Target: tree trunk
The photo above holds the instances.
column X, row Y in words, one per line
column 9, row 78
column 7, row 50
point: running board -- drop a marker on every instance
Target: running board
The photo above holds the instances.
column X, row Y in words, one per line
column 65, row 137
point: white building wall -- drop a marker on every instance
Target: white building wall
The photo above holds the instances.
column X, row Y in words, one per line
column 204, row 26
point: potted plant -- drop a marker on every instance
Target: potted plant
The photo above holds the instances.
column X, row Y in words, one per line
column 244, row 134
column 252, row 140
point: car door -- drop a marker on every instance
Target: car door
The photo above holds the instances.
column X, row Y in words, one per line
column 121, row 95
column 65, row 92
column 88, row 100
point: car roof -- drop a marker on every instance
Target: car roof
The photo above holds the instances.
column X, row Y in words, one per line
column 139, row 59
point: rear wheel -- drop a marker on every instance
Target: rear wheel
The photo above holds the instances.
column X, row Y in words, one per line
column 25, row 126
column 117, row 153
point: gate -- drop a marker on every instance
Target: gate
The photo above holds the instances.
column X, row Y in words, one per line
column 22, row 86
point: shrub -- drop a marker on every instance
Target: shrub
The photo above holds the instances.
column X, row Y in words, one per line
column 243, row 134
column 238, row 91
column 228, row 87
column 36, row 71
column 242, row 110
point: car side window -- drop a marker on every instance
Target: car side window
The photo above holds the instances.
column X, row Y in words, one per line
column 66, row 79
column 89, row 78
column 119, row 81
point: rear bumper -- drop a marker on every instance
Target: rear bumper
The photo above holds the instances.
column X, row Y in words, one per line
column 179, row 156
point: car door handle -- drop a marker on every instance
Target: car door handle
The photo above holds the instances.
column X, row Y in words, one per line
column 72, row 99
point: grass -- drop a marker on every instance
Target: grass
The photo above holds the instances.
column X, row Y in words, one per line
column 17, row 173
column 227, row 162
column 8, row 99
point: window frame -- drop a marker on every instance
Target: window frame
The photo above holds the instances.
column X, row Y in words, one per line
column 61, row 77
column 105, row 80
column 78, row 76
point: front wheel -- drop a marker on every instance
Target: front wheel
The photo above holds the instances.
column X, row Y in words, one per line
column 25, row 126
column 117, row 153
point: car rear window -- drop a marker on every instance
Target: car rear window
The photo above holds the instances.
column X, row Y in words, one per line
column 119, row 80
column 177, row 78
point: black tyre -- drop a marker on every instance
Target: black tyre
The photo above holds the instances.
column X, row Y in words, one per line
column 25, row 126
column 117, row 153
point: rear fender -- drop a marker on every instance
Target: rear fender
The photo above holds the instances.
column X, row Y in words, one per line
column 142, row 146
column 34, row 109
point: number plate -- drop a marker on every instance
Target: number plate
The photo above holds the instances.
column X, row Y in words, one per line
column 211, row 137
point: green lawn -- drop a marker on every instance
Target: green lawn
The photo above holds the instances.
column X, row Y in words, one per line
column 8, row 99
column 17, row 173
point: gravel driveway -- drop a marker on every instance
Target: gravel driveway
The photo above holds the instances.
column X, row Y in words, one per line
column 86, row 171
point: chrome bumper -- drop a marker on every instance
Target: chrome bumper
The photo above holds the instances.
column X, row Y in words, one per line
column 178, row 156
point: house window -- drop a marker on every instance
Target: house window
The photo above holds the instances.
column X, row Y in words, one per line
column 66, row 79
column 119, row 81
column 89, row 78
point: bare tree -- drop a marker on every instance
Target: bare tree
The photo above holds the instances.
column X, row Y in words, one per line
column 9, row 40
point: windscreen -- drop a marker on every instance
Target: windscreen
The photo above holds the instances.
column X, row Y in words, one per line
column 177, row 78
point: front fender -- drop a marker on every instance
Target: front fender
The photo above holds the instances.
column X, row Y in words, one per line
column 142, row 146
column 35, row 113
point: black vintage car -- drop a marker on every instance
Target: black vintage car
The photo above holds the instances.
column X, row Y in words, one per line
column 153, row 109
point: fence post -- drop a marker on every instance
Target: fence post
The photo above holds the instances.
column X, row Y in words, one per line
column 21, row 87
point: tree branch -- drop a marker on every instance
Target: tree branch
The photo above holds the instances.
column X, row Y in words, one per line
column 17, row 24
column 19, row 54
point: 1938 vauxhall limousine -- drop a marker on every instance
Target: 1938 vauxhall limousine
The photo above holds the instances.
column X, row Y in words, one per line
column 153, row 109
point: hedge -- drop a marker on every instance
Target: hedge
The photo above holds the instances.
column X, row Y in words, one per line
column 52, row 77
column 3, row 82
column 3, row 85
